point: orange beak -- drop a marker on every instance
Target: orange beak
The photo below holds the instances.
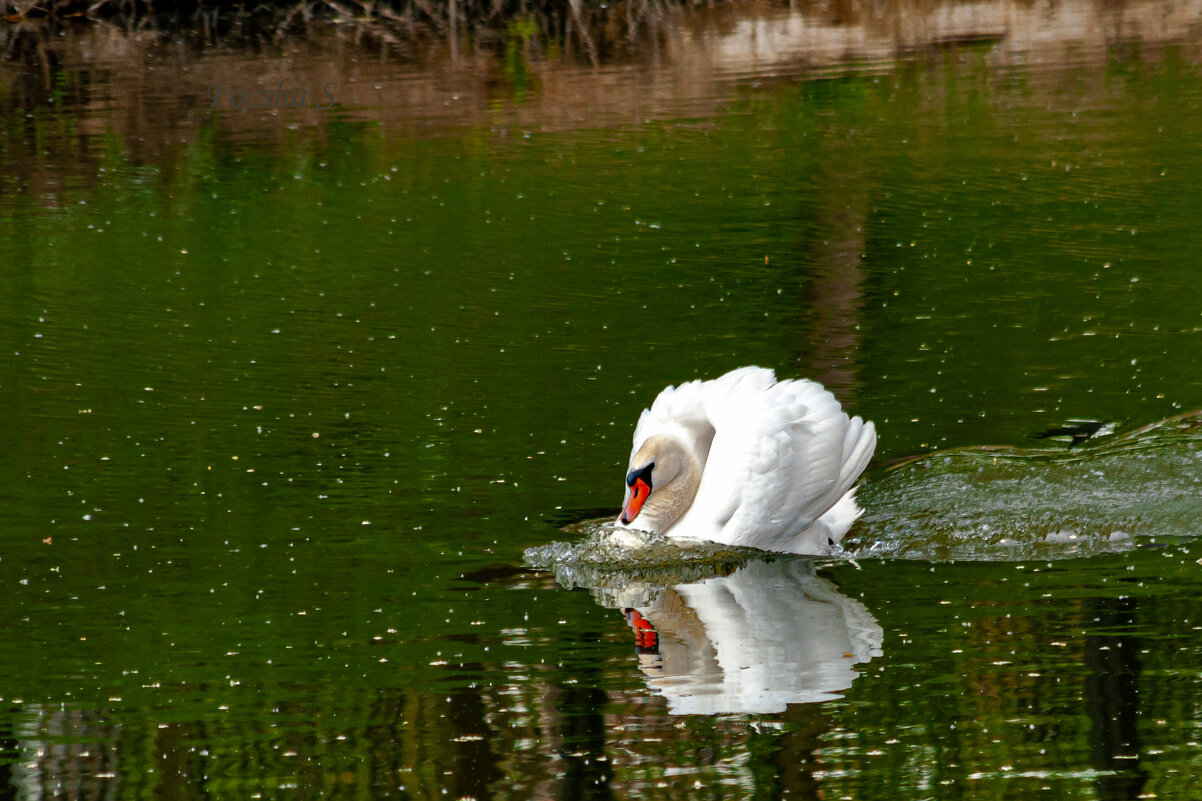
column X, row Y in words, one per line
column 639, row 491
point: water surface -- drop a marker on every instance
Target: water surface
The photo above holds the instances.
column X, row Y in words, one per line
column 286, row 396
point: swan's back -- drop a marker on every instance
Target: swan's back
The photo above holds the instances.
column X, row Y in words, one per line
column 684, row 411
column 779, row 459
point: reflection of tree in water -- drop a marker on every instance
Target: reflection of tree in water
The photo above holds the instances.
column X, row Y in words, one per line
column 586, row 767
column 377, row 745
column 831, row 267
column 59, row 752
column 1112, row 698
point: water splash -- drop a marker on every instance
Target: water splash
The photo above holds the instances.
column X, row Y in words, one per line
column 625, row 567
column 1000, row 503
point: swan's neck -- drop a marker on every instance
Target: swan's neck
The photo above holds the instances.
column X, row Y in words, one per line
column 681, row 478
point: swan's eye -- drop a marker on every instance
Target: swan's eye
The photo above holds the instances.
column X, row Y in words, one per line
column 643, row 473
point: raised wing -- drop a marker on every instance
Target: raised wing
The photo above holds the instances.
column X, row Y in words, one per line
column 686, row 411
column 781, row 457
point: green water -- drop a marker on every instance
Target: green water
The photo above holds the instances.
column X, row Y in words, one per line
column 282, row 413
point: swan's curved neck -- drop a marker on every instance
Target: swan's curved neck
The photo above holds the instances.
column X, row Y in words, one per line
column 678, row 475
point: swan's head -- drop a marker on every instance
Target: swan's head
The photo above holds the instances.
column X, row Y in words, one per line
column 660, row 485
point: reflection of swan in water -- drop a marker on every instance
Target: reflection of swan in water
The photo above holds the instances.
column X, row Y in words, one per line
column 768, row 635
column 719, row 629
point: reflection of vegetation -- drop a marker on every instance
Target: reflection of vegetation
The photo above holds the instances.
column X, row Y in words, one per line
column 518, row 38
column 592, row 29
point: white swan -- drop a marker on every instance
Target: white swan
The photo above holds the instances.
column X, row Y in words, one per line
column 747, row 460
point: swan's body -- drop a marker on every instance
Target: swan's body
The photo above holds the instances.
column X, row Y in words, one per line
column 749, row 461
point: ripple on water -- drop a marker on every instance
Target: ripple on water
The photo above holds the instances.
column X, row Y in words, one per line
column 992, row 503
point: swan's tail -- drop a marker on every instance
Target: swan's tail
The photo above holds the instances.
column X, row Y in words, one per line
column 859, row 442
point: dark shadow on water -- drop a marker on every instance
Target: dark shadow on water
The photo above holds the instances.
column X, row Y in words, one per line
column 1076, row 432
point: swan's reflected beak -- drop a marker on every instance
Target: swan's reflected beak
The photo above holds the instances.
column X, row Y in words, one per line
column 646, row 638
column 639, row 491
